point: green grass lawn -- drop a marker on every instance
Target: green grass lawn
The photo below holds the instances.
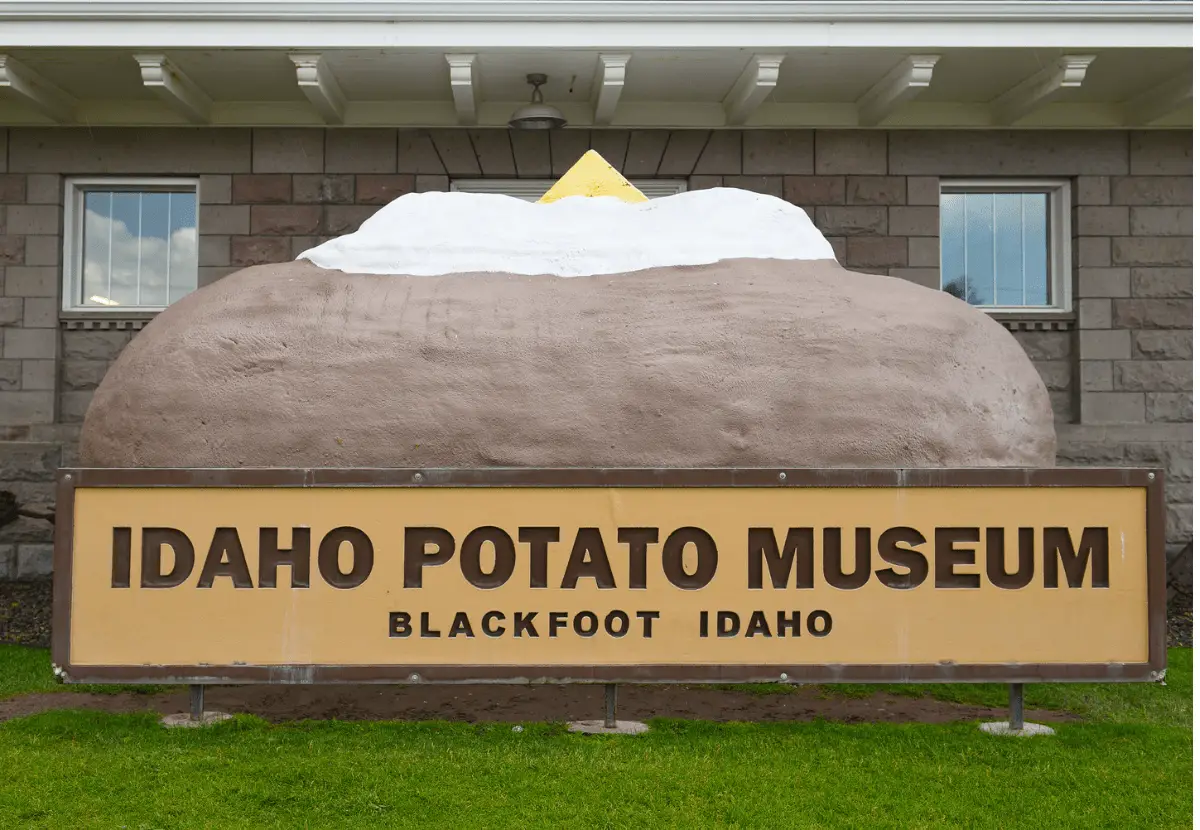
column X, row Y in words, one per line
column 1128, row 765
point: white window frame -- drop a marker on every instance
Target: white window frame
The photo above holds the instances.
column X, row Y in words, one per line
column 73, row 216
column 535, row 188
column 1058, row 238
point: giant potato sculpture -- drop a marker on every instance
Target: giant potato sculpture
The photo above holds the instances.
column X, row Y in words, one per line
column 712, row 328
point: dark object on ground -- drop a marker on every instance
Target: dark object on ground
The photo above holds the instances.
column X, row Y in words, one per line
column 25, row 612
column 510, row 704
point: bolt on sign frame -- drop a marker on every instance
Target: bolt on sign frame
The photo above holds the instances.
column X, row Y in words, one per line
column 609, row 575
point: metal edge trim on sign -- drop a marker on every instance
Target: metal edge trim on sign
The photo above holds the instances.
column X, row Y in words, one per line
column 1152, row 480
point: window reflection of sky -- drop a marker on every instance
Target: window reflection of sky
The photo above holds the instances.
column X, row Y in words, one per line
column 995, row 248
column 139, row 249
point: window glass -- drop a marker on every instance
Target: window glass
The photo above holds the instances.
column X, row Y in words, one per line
column 996, row 248
column 138, row 247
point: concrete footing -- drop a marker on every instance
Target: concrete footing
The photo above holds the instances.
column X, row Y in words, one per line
column 186, row 720
column 597, row 727
column 1002, row 727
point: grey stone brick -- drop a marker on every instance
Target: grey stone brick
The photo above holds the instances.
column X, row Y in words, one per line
column 34, row 219
column 858, row 152
column 1092, row 251
column 1112, row 407
column 876, row 251
column 1153, row 375
column 136, row 150
column 426, row 183
column 532, row 153
column 924, row 190
column 11, row 310
column 1092, row 313
column 35, row 561
column 852, row 221
column 1102, row 221
column 1142, row 250
column 682, row 152
column 1179, row 461
column 288, row 150
column 31, row 281
column 1045, row 345
column 838, row 243
column 43, row 250
column 722, row 155
column 1161, row 221
column 705, row 182
column 262, row 188
column 300, row 244
column 924, row 252
column 33, row 492
column 3, row 150
column 259, row 250
column 1162, row 282
column 1169, row 407
column 1163, row 345
column 568, row 147
column 30, row 343
column 343, row 219
column 26, row 407
column 10, row 375
column 41, row 313
column 815, row 190
column 1102, row 344
column 1153, row 314
column 216, row 189
column 1007, row 152
column 8, row 562
column 27, row 461
column 493, row 151
column 224, row 220
column 1103, row 282
column 323, row 190
column 379, row 190
column 1056, row 374
column 80, row 375
column 1096, row 375
column 913, row 221
column 1092, row 190
column 214, row 250
column 613, row 145
column 416, row 154
column 208, row 274
column 44, row 189
column 357, row 150
column 925, row 277
column 94, row 345
column 73, row 405
column 285, row 220
column 1179, row 522
column 645, row 152
column 12, row 250
column 12, row 189
column 876, row 190
column 1062, row 405
column 1178, row 492
column 776, row 152
column 1160, row 152
column 38, row 374
column 1152, row 190
column 770, row 185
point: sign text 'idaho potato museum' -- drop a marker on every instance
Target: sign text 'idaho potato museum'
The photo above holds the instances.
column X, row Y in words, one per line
column 342, row 575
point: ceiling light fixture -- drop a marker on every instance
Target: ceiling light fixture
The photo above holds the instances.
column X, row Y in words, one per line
column 537, row 115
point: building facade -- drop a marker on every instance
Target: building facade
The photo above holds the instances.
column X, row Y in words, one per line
column 1044, row 174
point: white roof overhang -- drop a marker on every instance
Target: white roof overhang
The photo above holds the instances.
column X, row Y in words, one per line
column 624, row 63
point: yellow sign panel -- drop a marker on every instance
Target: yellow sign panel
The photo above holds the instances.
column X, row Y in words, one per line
column 471, row 581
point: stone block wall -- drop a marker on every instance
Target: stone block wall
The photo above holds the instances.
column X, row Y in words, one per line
column 1118, row 368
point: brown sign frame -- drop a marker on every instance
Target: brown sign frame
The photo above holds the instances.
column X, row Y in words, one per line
column 1152, row 480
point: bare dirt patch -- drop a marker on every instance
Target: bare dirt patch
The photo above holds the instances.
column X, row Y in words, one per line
column 515, row 704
